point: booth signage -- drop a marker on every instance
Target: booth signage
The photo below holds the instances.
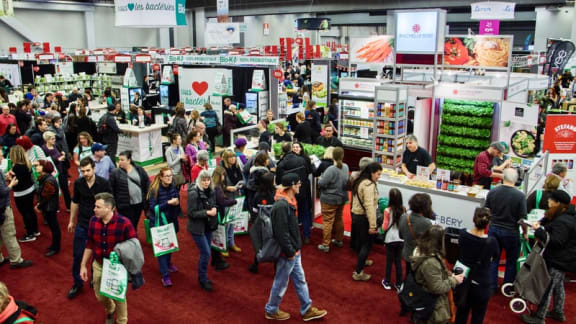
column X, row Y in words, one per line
column 560, row 134
column 492, row 10
column 222, row 10
column 354, row 85
column 224, row 60
column 6, row 8
column 222, row 33
column 197, row 85
column 457, row 91
column 373, row 49
column 122, row 58
column 417, row 32
column 489, row 27
column 278, row 74
column 320, row 86
column 524, row 60
column 478, row 51
column 517, row 123
column 143, row 58
column 147, row 13
column 12, row 73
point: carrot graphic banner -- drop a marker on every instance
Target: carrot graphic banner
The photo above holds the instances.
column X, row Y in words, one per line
column 372, row 50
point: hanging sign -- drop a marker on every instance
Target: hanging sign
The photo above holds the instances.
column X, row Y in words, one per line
column 489, row 27
column 560, row 134
column 492, row 10
column 145, row 13
column 222, row 33
column 266, row 29
column 320, row 86
column 224, row 60
column 222, row 10
column 278, row 74
column 143, row 58
column 417, row 32
column 122, row 58
column 6, row 8
column 457, row 91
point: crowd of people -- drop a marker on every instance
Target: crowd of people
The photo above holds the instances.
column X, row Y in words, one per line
column 109, row 198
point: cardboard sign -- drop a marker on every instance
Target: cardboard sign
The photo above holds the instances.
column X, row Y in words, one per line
column 560, row 134
column 423, row 172
column 443, row 174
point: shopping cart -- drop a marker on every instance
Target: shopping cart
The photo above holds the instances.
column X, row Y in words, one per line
column 531, row 282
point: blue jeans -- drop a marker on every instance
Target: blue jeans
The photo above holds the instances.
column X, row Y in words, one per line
column 286, row 269
column 509, row 241
column 164, row 263
column 203, row 244
column 80, row 237
column 230, row 235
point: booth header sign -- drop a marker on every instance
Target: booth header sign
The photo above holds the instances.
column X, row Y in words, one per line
column 457, row 91
column 150, row 13
column 417, row 32
column 492, row 10
column 479, row 51
column 223, row 60
column 560, row 134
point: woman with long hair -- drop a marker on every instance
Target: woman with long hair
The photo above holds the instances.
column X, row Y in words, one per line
column 223, row 201
column 559, row 229
column 202, row 221
column 85, row 123
column 210, row 119
column 192, row 148
column 23, row 115
column 179, row 123
column 9, row 138
column 392, row 239
column 280, row 134
column 83, row 149
column 164, row 195
column 551, row 184
column 24, row 191
column 333, row 197
column 363, row 210
column 174, row 156
column 431, row 273
column 58, row 157
column 70, row 126
column 477, row 250
column 413, row 224
column 48, row 203
column 233, row 183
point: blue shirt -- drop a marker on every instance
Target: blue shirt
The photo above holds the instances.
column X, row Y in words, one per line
column 210, row 118
column 104, row 166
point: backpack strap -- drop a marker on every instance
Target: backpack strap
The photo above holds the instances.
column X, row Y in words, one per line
column 538, row 198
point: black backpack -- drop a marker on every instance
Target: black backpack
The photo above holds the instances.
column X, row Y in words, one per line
column 262, row 235
column 415, row 299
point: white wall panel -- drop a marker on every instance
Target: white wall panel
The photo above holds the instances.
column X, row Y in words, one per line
column 108, row 35
column 552, row 24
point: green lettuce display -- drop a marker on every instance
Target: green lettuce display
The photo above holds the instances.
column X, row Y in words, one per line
column 310, row 149
column 465, row 131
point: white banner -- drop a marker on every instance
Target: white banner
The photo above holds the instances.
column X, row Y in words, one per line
column 457, row 91
column 222, row 7
column 320, row 86
column 492, row 10
column 12, row 73
column 65, row 68
column 258, row 80
column 222, row 33
column 197, row 85
column 417, row 32
column 223, row 60
column 147, row 13
column 106, row 67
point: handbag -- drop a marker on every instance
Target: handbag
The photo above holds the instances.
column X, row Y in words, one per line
column 415, row 299
column 164, row 239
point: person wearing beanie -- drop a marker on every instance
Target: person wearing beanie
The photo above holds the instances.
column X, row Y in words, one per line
column 483, row 172
column 47, row 203
column 289, row 265
column 558, row 227
column 240, row 145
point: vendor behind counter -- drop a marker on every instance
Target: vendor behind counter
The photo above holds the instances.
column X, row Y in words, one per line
column 415, row 156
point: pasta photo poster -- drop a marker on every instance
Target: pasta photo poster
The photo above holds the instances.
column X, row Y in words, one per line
column 480, row 51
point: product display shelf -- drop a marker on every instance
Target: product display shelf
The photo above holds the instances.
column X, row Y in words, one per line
column 58, row 83
column 390, row 123
column 357, row 121
column 465, row 131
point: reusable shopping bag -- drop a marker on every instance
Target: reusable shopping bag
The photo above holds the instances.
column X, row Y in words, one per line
column 219, row 236
column 164, row 239
column 237, row 217
column 114, row 281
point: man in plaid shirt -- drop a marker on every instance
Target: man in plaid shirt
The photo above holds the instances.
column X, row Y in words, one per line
column 106, row 229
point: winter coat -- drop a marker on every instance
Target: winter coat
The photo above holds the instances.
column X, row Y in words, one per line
column 179, row 126
column 333, row 185
column 561, row 250
column 119, row 184
column 161, row 198
column 47, row 193
column 110, row 136
column 431, row 272
column 199, row 202
column 294, row 163
column 60, row 138
column 285, row 227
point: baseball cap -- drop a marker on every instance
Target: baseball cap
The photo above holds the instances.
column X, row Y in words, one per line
column 498, row 146
column 98, row 147
column 290, row 179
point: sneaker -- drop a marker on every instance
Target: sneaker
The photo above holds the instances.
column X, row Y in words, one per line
column 338, row 243
column 369, row 263
column 172, row 268
column 323, row 248
column 225, row 254
column 314, row 313
column 559, row 317
column 531, row 319
column 236, row 249
column 23, row 264
column 36, row 234
column 361, row 276
column 27, row 238
column 398, row 286
column 279, row 316
column 166, row 281
column 386, row 284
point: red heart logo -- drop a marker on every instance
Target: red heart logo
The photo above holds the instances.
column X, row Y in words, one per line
column 200, row 87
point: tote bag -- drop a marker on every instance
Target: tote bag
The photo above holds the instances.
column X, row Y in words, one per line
column 164, row 239
column 114, row 281
column 219, row 236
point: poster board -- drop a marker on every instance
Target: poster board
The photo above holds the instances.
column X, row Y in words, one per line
column 197, row 85
column 560, row 134
column 222, row 33
column 12, row 73
column 372, row 50
column 518, row 128
column 320, row 84
column 479, row 51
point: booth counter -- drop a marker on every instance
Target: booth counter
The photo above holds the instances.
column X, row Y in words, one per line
column 98, row 110
column 144, row 142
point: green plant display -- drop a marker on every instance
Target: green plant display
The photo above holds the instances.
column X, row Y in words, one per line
column 310, row 149
column 464, row 132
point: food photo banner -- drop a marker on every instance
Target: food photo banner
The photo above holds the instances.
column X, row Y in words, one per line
column 320, row 85
column 372, row 50
column 518, row 128
column 478, row 51
column 143, row 13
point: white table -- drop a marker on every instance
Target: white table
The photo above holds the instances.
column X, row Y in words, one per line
column 144, row 142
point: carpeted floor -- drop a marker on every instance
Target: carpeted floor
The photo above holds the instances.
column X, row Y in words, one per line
column 239, row 296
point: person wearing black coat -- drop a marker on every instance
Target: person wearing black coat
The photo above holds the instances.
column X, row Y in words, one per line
column 47, row 203
column 303, row 132
column 129, row 185
column 110, row 132
column 202, row 221
column 558, row 227
column 294, row 162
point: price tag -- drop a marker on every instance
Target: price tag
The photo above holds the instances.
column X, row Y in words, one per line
column 364, row 112
column 423, row 172
column 443, row 174
column 364, row 133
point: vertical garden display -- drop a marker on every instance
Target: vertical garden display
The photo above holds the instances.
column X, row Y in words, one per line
column 464, row 132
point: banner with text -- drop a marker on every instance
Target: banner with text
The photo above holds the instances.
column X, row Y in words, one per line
column 560, row 134
column 222, row 33
column 492, row 10
column 223, row 60
column 196, row 86
column 479, row 51
column 145, row 13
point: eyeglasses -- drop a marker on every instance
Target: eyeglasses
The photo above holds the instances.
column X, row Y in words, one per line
column 167, row 176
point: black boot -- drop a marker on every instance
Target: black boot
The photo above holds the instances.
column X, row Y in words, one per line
column 218, row 262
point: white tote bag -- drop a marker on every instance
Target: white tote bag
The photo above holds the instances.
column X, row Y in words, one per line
column 164, row 239
column 114, row 283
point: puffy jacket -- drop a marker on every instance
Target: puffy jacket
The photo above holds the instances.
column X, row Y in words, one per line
column 47, row 193
column 430, row 272
column 119, row 183
column 294, row 163
column 199, row 202
column 285, row 227
column 561, row 251
column 162, row 197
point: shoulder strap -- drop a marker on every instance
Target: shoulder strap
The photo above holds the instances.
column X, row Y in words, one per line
column 159, row 214
column 410, row 227
column 538, row 198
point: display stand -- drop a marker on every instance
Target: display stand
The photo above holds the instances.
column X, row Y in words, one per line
column 144, row 142
column 390, row 124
